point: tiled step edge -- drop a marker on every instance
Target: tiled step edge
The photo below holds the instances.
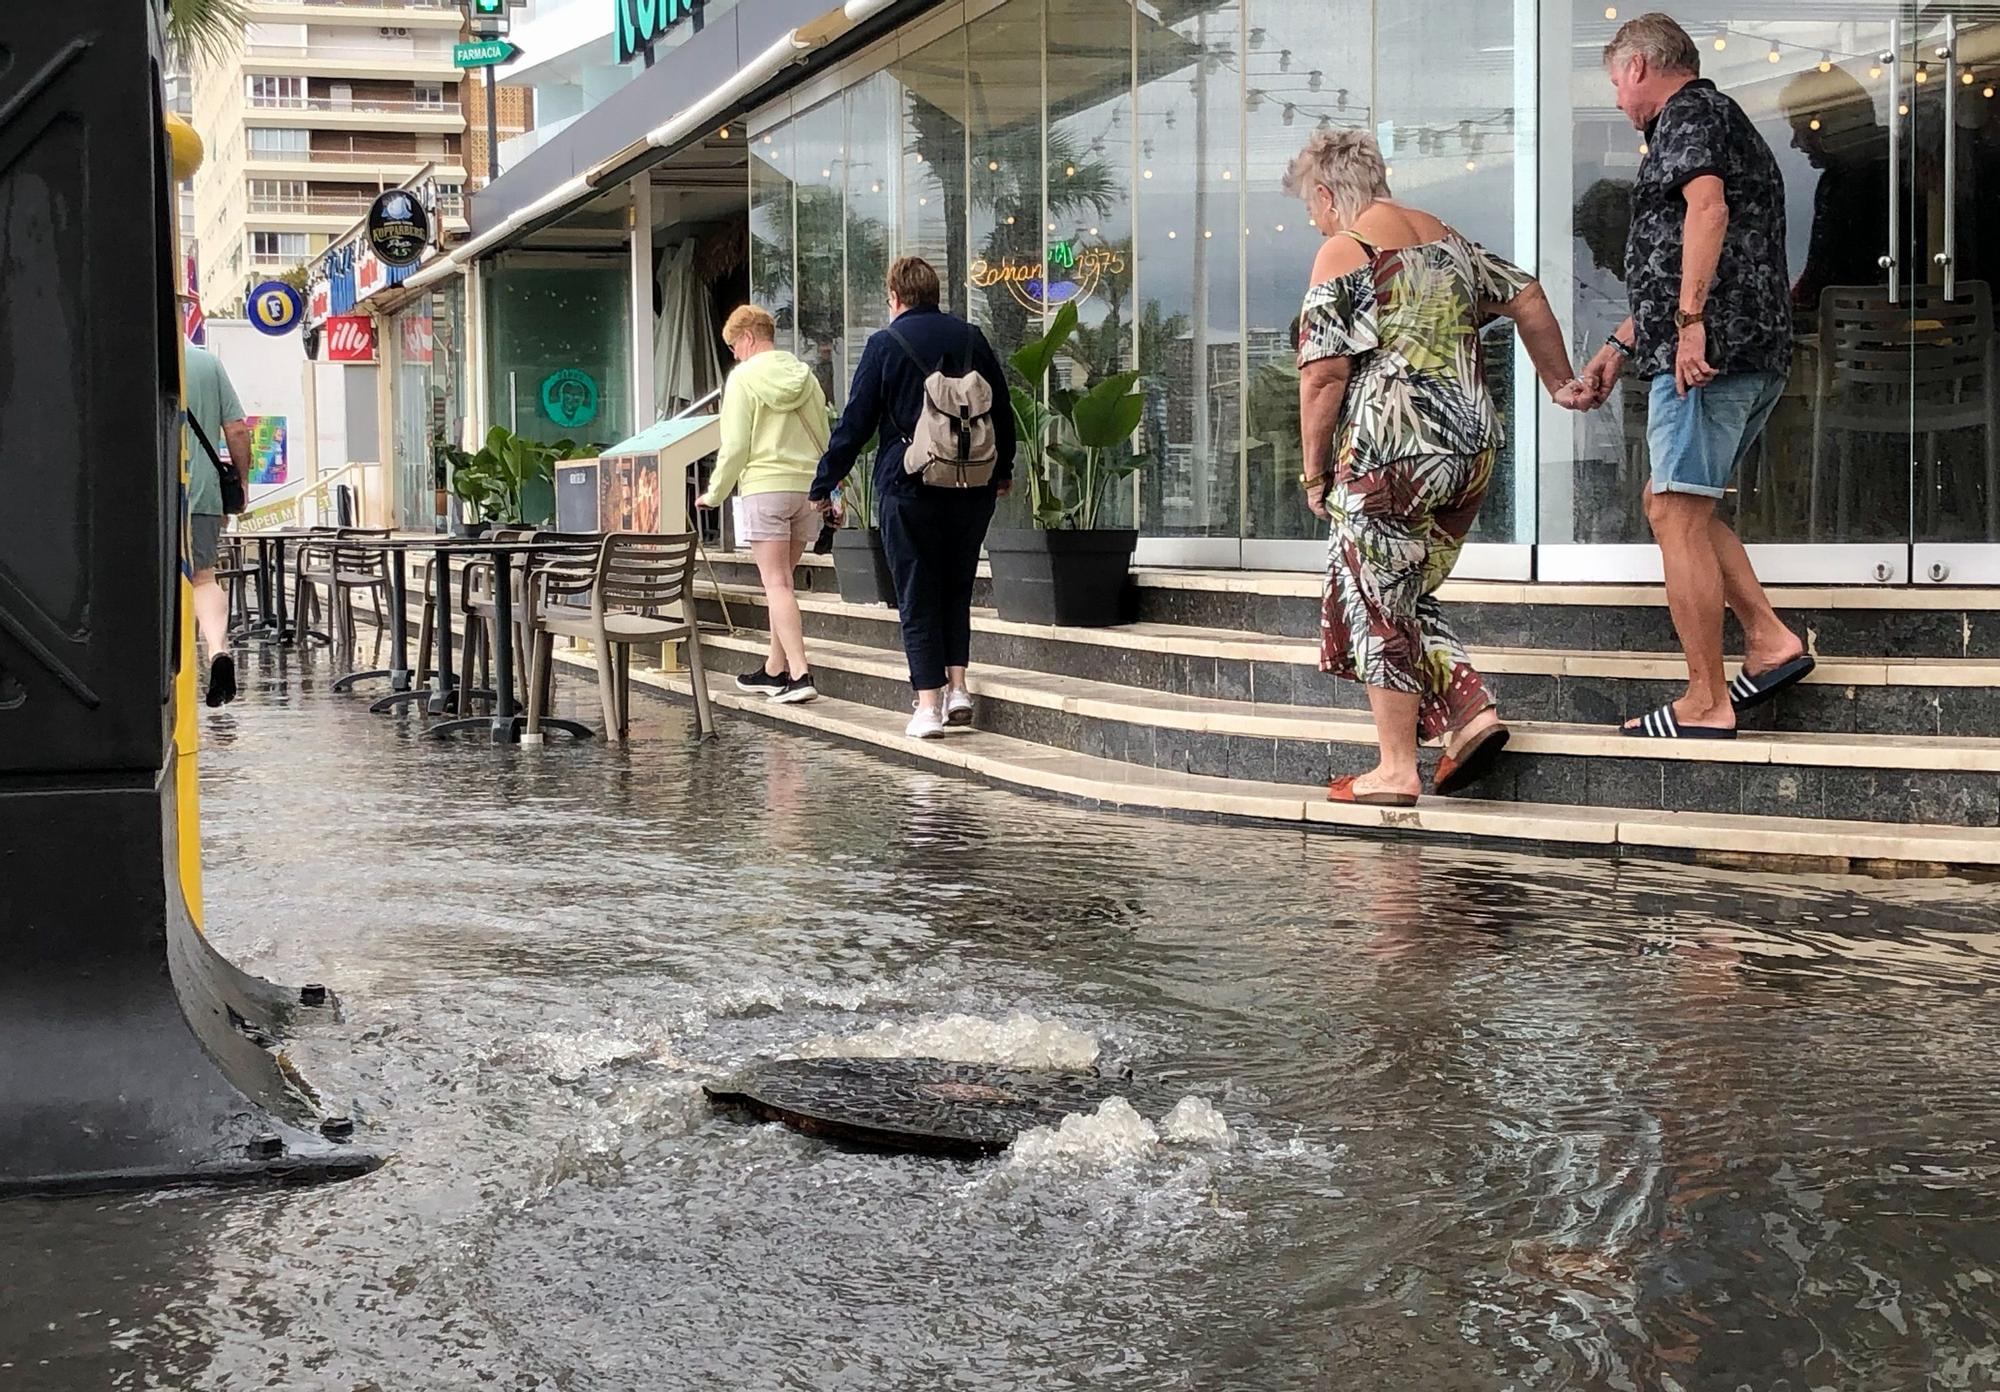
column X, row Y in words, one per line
column 1106, row 782
column 1238, row 646
column 1204, row 715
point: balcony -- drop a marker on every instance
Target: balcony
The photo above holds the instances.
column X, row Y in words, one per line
column 351, row 208
column 359, row 113
column 424, row 14
column 336, row 60
column 387, row 105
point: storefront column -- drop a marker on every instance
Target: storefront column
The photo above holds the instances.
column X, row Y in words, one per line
column 645, row 408
column 479, row 413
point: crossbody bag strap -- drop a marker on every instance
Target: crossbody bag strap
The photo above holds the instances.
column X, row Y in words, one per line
column 202, row 435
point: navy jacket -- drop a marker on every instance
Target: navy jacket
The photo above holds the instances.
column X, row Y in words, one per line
column 888, row 392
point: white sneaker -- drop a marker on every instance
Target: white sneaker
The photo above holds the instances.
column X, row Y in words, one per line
column 925, row 724
column 957, row 706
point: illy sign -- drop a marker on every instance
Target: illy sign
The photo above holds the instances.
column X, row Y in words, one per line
column 350, row 338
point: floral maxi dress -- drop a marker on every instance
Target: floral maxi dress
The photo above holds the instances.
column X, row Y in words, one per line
column 1413, row 454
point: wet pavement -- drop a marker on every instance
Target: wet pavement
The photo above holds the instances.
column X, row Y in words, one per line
column 1492, row 1121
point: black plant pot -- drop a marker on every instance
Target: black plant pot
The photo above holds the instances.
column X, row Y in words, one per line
column 1075, row 579
column 462, row 528
column 861, row 568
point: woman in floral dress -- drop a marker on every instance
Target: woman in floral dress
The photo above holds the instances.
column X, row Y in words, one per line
column 1400, row 436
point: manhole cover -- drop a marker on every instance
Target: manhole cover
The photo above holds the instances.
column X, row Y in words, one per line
column 930, row 1105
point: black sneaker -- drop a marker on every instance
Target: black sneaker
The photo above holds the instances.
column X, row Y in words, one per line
column 221, row 680
column 796, row 690
column 761, row 683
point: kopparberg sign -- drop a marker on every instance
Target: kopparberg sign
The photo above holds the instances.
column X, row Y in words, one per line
column 636, row 23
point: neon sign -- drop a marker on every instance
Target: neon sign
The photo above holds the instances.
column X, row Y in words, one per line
column 1069, row 273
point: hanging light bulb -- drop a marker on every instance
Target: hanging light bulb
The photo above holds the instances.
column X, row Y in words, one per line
column 1721, row 39
column 1257, row 37
column 1471, row 165
column 1225, row 174
column 1284, row 60
column 1207, row 232
column 1874, row 71
column 875, row 187
column 1902, row 108
column 1988, row 93
column 1773, row 56
column 1826, row 62
column 1172, row 236
column 1291, row 113
column 993, row 165
column 1611, row 12
column 1149, row 174
column 1966, row 77
column 723, row 133
column 1010, row 219
column 1644, row 148
column 1069, row 171
column 1923, row 73
column 1813, row 124
column 1281, row 227
column 1315, row 79
column 1340, row 97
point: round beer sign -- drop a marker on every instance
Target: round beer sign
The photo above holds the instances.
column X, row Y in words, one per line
column 398, row 228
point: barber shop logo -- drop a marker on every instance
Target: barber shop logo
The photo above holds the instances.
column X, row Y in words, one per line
column 569, row 397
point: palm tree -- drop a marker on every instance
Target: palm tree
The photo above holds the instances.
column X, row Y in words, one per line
column 205, row 28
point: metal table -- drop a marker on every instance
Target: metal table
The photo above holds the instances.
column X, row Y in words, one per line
column 402, row 679
column 504, row 724
column 274, row 627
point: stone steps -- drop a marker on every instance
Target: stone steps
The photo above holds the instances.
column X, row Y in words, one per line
column 1862, row 622
column 1900, row 696
column 1112, row 783
column 1890, row 779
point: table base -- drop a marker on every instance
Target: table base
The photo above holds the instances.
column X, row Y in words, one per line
column 507, row 729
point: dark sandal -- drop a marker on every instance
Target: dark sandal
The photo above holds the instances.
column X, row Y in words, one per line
column 1342, row 789
column 1749, row 691
column 1663, row 724
column 1474, row 764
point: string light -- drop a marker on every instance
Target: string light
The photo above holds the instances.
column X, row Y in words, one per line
column 1149, row 174
column 1903, row 109
column 1172, row 236
column 1611, row 12
column 1471, row 165
column 1966, row 78
column 1207, row 232
column 724, row 132
column 1225, row 173
column 1826, row 62
column 826, row 173
column 1069, row 171
column 1923, row 73
column 993, row 164
column 875, row 187
column 1281, row 227
column 923, row 202
column 1644, row 148
column 1874, row 71
column 1988, row 93
column 1773, row 56
column 1813, row 124
column 1721, row 41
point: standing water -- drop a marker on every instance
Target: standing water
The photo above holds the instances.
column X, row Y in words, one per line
column 1399, row 1116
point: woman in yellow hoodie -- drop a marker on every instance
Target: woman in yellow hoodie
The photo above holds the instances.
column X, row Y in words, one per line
column 774, row 429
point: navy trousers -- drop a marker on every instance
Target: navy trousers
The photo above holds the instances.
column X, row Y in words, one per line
column 932, row 538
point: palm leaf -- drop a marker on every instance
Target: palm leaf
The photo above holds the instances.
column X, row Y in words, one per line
column 208, row 29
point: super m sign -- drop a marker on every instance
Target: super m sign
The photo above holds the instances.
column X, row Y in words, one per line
column 636, row 23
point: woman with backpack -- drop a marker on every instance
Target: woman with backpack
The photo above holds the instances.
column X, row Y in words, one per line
column 930, row 390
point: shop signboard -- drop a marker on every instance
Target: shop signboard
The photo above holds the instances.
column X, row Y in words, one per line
column 399, row 227
column 350, row 338
column 276, row 308
column 635, row 24
column 1070, row 272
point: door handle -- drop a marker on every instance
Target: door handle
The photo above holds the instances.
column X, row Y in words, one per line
column 1948, row 258
column 1893, row 61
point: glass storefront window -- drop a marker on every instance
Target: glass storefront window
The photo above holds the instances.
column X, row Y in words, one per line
column 771, row 269
column 424, row 342
column 820, row 229
column 558, row 355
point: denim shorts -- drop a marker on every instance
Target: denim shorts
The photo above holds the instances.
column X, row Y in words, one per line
column 1697, row 441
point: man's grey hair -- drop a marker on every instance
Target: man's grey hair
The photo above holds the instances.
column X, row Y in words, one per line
column 1348, row 162
column 1658, row 39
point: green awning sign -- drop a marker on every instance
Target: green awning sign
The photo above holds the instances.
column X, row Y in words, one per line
column 636, row 23
column 482, row 53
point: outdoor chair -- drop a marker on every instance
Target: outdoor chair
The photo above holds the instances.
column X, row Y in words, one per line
column 1884, row 369
column 238, row 579
column 343, row 571
column 312, row 565
column 633, row 576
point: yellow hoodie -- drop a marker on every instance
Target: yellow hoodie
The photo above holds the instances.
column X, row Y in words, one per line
column 774, row 428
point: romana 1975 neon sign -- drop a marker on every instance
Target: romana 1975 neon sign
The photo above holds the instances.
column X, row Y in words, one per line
column 1069, row 273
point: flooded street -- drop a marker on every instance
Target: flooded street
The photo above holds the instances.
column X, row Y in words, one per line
column 1493, row 1121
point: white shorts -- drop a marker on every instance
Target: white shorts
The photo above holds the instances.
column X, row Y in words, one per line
column 777, row 517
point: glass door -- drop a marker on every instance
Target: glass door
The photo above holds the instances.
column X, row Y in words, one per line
column 1829, row 494
column 1953, row 243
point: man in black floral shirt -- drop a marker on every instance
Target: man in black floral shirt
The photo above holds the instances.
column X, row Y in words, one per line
column 1711, row 331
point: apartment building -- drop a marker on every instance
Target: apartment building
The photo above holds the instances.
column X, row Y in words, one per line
column 321, row 105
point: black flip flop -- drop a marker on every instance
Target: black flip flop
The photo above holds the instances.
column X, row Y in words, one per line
column 1661, row 724
column 1749, row 691
column 221, row 680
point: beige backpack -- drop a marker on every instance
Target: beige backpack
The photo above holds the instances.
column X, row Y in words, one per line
column 953, row 445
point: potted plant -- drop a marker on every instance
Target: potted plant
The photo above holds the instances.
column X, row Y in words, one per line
column 510, row 482
column 860, row 567
column 1074, row 450
column 445, row 459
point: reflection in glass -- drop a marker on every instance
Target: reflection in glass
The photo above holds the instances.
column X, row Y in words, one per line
column 772, row 272
column 874, row 167
column 1190, row 216
column 820, row 225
